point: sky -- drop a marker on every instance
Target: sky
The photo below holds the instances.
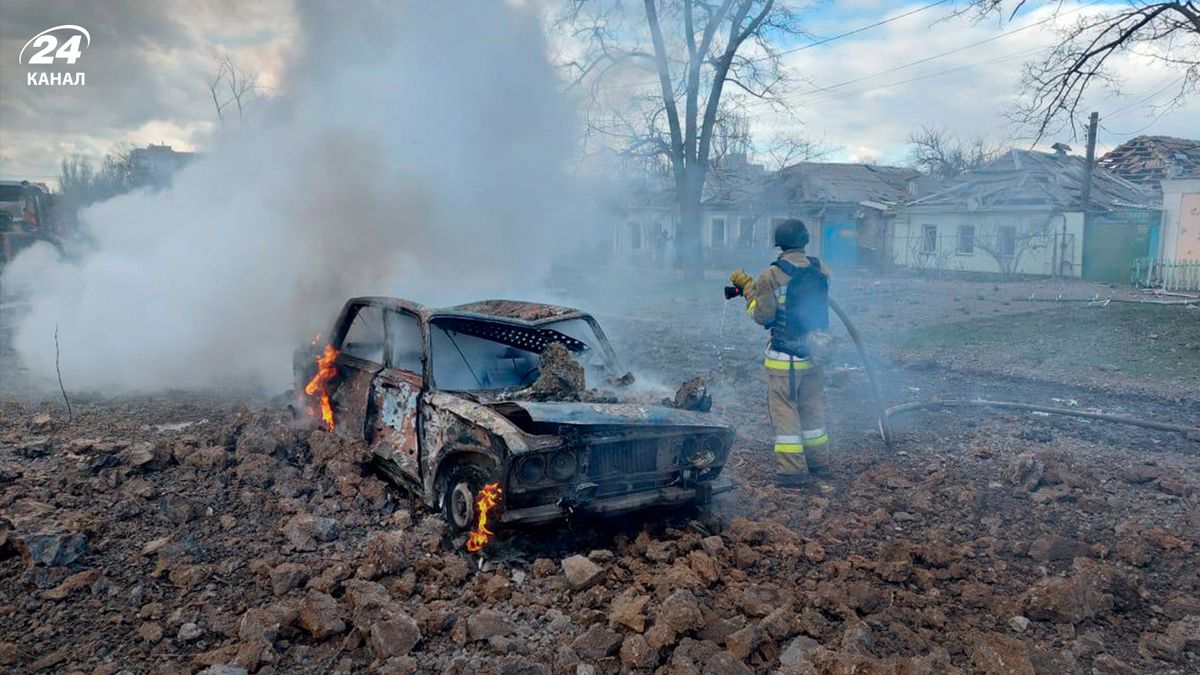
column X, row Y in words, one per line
column 149, row 62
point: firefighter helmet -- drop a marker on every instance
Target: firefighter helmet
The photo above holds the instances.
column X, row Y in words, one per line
column 791, row 233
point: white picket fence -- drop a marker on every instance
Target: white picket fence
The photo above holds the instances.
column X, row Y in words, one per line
column 1169, row 275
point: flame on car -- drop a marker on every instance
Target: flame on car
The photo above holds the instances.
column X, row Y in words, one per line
column 488, row 499
column 317, row 388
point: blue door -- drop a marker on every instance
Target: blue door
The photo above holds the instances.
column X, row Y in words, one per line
column 839, row 242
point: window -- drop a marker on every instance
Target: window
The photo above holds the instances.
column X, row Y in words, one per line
column 1006, row 240
column 718, row 231
column 746, row 232
column 364, row 339
column 635, row 236
column 966, row 239
column 929, row 239
column 404, row 340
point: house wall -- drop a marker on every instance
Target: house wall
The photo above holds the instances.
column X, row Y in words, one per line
column 1180, row 238
column 1036, row 235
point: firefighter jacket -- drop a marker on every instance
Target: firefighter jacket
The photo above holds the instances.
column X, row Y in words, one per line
column 769, row 297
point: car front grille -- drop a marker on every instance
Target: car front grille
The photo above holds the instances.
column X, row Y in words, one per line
column 623, row 458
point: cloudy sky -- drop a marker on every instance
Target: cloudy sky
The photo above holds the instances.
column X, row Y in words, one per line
column 149, row 61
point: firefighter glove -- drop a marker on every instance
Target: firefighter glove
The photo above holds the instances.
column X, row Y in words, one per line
column 743, row 281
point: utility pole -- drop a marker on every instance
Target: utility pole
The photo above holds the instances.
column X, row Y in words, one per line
column 1085, row 196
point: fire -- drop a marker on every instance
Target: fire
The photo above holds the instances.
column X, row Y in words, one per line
column 488, row 498
column 326, row 371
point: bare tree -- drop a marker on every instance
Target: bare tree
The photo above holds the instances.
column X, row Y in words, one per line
column 938, row 153
column 231, row 85
column 1008, row 245
column 1055, row 83
column 693, row 49
column 788, row 148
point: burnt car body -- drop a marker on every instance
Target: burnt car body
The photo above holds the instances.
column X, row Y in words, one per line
column 441, row 397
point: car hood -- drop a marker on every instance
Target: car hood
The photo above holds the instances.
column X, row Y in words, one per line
column 623, row 414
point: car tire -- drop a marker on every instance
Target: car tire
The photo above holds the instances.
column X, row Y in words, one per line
column 459, row 492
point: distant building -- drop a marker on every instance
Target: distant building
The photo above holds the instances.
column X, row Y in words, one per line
column 1022, row 213
column 160, row 162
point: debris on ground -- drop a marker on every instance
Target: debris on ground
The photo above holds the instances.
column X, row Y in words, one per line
column 692, row 395
column 560, row 376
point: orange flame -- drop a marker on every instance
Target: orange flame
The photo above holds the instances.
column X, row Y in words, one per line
column 489, row 497
column 326, row 371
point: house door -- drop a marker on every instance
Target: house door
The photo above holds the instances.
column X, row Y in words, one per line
column 839, row 242
column 1109, row 249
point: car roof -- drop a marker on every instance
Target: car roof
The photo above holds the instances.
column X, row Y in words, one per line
column 521, row 311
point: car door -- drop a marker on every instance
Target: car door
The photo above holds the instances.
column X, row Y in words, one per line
column 395, row 394
column 361, row 355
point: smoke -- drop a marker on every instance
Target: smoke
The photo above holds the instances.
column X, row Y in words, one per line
column 418, row 150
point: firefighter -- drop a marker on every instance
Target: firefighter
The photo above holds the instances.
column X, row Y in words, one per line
column 791, row 299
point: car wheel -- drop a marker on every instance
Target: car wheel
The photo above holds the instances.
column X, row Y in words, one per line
column 458, row 498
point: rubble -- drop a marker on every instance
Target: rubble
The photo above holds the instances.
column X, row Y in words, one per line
column 560, row 376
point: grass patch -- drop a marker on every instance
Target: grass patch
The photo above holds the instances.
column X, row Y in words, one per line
column 1138, row 340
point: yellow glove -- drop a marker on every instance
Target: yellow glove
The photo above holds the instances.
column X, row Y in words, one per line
column 743, row 281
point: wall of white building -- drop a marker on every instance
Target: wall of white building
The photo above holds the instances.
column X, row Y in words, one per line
column 1180, row 234
column 961, row 241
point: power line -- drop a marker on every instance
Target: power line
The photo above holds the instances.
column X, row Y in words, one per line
column 801, row 48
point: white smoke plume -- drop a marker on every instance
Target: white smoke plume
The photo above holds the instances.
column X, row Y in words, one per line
column 419, row 150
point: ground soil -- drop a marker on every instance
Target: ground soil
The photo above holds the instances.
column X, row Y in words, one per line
column 189, row 530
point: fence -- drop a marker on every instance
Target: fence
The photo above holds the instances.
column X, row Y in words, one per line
column 1170, row 275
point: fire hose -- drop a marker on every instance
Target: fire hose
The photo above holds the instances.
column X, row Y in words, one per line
column 884, row 414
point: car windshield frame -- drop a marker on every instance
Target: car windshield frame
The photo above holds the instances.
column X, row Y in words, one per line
column 465, row 341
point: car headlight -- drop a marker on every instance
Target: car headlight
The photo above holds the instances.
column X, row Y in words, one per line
column 531, row 470
column 562, row 466
column 703, row 452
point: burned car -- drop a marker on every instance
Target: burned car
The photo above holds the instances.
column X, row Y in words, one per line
column 450, row 404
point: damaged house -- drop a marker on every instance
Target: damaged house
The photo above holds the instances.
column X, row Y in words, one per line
column 847, row 208
column 1170, row 167
column 1023, row 213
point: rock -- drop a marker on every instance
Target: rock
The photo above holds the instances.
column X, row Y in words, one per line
column 1018, row 623
column 798, row 651
column 693, row 395
column 1052, row 547
column 178, row 509
column 680, row 612
column 1104, row 578
column 759, row 600
column 636, row 653
column 286, row 576
column 71, row 584
column 320, row 615
column 189, row 632
column 713, row 545
column 304, row 531
column 660, row 551
column 741, row 643
column 704, row 566
column 487, row 623
column 208, row 459
column 150, row 632
column 996, row 654
column 388, row 553
column 581, row 573
column 1060, row 600
column 857, row 638
column 223, row 669
column 627, row 610
column 596, row 643
column 1106, row 664
column 51, row 549
column 725, row 663
column 1025, row 471
column 258, row 625
column 560, row 377
column 1170, row 646
column 394, row 637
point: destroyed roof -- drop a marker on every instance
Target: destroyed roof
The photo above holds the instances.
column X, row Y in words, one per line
column 1032, row 180
column 842, row 183
column 1146, row 160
